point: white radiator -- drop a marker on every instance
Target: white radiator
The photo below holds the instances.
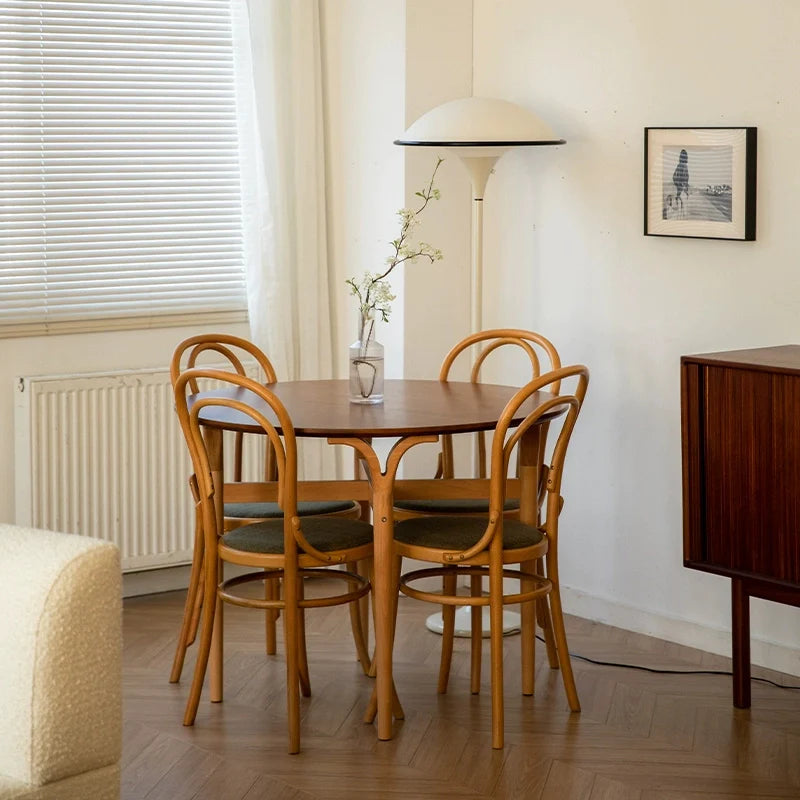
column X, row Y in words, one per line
column 102, row 455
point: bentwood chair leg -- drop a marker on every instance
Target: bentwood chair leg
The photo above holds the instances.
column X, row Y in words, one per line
column 357, row 622
column 363, row 568
column 185, row 637
column 496, row 641
column 528, row 632
column 204, row 647
column 270, row 593
column 449, row 583
column 561, row 638
column 291, row 626
column 397, row 709
column 302, row 653
column 396, row 571
column 546, row 622
column 373, row 667
column 476, row 630
column 217, row 638
column 198, row 609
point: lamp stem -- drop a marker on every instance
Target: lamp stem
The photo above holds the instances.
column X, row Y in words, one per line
column 476, row 293
column 479, row 168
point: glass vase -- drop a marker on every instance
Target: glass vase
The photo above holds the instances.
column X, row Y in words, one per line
column 366, row 364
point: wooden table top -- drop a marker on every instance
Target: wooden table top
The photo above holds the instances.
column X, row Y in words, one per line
column 410, row 407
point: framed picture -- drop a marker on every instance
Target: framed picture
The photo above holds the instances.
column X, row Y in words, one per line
column 700, row 182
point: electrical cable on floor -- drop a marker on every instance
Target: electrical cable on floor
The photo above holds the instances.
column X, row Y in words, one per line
column 671, row 671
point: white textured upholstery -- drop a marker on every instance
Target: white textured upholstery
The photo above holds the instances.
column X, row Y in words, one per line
column 60, row 666
column 99, row 784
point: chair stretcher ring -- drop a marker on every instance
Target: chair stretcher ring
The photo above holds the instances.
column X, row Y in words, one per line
column 542, row 586
column 313, row 602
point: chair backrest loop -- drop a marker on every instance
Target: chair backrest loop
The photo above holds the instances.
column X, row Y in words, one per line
column 566, row 408
column 260, row 406
column 218, row 343
column 530, row 342
column 231, row 348
column 497, row 337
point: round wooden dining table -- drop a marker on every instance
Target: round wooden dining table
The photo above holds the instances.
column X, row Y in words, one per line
column 413, row 411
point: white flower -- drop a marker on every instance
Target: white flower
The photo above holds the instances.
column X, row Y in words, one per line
column 373, row 291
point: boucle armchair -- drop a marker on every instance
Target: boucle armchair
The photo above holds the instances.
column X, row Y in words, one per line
column 60, row 666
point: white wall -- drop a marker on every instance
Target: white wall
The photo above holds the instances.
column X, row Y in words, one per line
column 438, row 68
column 565, row 250
column 364, row 69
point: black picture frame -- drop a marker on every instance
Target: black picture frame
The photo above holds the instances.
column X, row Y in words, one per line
column 700, row 182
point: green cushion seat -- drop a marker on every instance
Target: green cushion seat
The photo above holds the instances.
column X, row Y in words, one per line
column 467, row 505
column 273, row 510
column 323, row 533
column 460, row 533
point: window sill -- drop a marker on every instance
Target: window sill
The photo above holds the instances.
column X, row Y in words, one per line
column 121, row 323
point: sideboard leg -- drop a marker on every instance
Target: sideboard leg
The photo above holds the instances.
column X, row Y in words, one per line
column 740, row 606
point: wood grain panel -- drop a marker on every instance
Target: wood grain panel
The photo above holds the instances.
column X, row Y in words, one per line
column 751, row 472
column 693, row 456
column 741, row 481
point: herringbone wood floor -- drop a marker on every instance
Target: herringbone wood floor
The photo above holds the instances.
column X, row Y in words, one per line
column 640, row 736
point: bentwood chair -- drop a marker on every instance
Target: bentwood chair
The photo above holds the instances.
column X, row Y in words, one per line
column 240, row 353
column 290, row 549
column 540, row 354
column 481, row 547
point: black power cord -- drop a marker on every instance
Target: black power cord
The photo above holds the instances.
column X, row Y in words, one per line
column 671, row 671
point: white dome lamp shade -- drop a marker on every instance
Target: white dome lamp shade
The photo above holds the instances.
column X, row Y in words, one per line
column 479, row 130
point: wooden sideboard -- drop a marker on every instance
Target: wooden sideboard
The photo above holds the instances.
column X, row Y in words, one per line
column 740, row 414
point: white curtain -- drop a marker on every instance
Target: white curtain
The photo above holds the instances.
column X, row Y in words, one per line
column 288, row 281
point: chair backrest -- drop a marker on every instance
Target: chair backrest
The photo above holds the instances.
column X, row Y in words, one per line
column 224, row 344
column 551, row 407
column 260, row 407
column 236, row 350
column 60, row 655
column 541, row 353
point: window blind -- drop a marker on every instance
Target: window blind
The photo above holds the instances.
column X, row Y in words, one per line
column 120, row 191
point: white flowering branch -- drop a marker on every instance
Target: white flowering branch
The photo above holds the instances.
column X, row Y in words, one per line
column 373, row 291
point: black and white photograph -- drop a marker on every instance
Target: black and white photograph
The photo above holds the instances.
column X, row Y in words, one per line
column 700, row 182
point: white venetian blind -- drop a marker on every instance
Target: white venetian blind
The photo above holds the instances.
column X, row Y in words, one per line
column 120, row 195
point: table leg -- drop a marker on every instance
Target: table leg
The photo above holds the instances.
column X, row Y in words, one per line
column 383, row 585
column 384, row 556
column 740, row 608
column 529, row 465
column 530, row 457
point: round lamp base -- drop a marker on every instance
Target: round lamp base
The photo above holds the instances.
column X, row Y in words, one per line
column 511, row 622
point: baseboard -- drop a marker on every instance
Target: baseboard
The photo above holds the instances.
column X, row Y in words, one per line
column 166, row 579
column 763, row 653
column 154, row 581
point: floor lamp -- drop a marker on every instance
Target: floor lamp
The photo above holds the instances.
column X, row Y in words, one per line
column 479, row 130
